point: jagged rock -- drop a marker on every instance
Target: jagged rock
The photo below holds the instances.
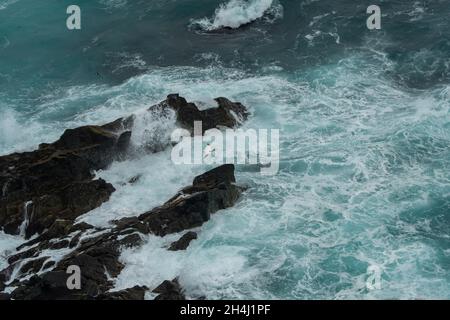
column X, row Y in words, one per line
column 183, row 242
column 222, row 174
column 56, row 181
column 33, row 266
column 5, row 296
column 135, row 293
column 68, row 203
column 134, row 179
column 48, row 265
column 131, row 240
column 226, row 114
column 53, row 238
column 98, row 256
column 50, row 187
column 2, row 282
column 123, row 142
column 192, row 206
column 169, row 290
column 26, row 253
column 75, row 240
column 49, row 286
column 131, row 223
column 82, row 226
column 58, row 244
column 98, row 259
column 58, row 229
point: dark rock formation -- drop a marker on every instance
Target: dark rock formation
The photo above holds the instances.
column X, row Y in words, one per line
column 68, row 203
column 33, row 266
column 169, row 290
column 134, row 179
column 98, row 255
column 183, row 242
column 44, row 191
column 60, row 228
column 2, row 282
column 98, row 260
column 5, row 296
column 191, row 207
column 51, row 285
column 56, row 181
column 135, row 293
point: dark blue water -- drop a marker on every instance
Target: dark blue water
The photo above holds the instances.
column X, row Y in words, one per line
column 365, row 133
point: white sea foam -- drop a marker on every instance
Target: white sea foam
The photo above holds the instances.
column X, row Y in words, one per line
column 8, row 244
column 158, row 180
column 26, row 218
column 113, row 4
column 53, row 255
column 359, row 155
column 236, row 13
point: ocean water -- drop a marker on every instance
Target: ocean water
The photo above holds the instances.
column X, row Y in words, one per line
column 364, row 119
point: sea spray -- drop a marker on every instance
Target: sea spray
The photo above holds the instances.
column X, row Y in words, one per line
column 364, row 156
column 237, row 13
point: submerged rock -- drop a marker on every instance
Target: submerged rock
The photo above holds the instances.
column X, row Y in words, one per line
column 98, row 260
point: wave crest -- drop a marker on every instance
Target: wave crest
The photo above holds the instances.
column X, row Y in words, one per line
column 236, row 13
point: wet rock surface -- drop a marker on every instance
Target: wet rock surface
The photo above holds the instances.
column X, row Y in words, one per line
column 183, row 242
column 169, row 290
column 56, row 181
column 45, row 190
column 98, row 253
column 135, row 293
column 4, row 296
column 193, row 205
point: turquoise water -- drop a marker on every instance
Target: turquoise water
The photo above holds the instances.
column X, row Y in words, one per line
column 364, row 119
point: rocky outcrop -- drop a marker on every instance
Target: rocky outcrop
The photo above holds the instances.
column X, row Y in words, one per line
column 44, row 191
column 191, row 207
column 169, row 290
column 135, row 293
column 5, row 296
column 2, row 282
column 56, row 181
column 97, row 253
column 98, row 260
column 226, row 114
column 183, row 242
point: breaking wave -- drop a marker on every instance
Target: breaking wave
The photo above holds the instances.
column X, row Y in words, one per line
column 237, row 13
